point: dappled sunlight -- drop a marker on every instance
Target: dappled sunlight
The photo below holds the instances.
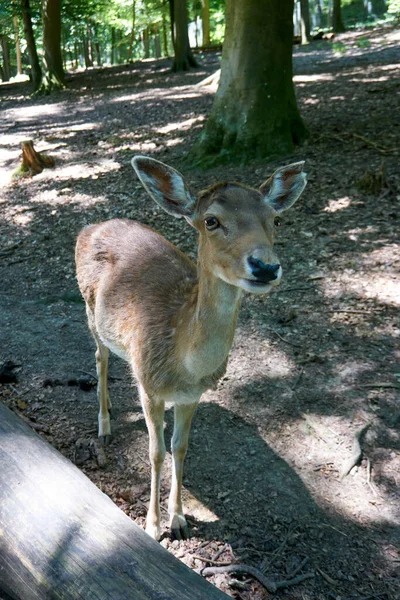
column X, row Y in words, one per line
column 340, row 204
column 80, row 170
column 384, row 288
column 313, row 78
column 183, row 125
column 322, row 435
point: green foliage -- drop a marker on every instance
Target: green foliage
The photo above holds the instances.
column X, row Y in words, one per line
column 394, row 9
column 339, row 47
column 363, row 42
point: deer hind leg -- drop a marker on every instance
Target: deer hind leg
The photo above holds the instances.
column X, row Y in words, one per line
column 180, row 439
column 154, row 416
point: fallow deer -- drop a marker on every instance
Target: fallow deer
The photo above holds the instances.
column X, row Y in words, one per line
column 174, row 321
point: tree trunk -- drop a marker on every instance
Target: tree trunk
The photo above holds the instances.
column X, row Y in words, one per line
column 62, row 538
column 86, row 51
column 164, row 30
column 255, row 113
column 6, row 58
column 337, row 21
column 53, row 76
column 97, row 46
column 132, row 38
column 112, row 59
column 184, row 59
column 36, row 71
column 146, row 42
column 17, row 46
column 305, row 21
column 205, row 19
column 172, row 20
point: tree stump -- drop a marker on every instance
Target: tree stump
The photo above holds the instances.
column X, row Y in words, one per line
column 33, row 162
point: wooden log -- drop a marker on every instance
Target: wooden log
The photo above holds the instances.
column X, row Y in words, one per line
column 62, row 538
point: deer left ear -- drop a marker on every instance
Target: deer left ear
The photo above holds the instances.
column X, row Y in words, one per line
column 283, row 188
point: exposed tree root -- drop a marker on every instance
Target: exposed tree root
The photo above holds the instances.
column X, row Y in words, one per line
column 269, row 585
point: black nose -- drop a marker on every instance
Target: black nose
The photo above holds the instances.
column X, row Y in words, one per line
column 262, row 271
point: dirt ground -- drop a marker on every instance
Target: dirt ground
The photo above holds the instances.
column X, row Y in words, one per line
column 311, row 365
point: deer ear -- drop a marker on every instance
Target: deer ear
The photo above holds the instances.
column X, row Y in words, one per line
column 283, row 188
column 165, row 185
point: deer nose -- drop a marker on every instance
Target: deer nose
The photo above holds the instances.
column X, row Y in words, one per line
column 262, row 271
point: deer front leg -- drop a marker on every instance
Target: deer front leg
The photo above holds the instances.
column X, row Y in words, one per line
column 103, row 397
column 154, row 415
column 183, row 419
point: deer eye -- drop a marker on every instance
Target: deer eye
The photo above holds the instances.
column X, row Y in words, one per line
column 277, row 221
column 211, row 223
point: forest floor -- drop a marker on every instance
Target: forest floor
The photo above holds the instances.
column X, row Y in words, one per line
column 311, row 365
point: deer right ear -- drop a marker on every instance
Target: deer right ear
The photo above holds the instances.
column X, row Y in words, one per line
column 165, row 185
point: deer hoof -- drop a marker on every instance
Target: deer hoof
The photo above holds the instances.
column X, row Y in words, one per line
column 104, row 439
column 179, row 528
column 153, row 531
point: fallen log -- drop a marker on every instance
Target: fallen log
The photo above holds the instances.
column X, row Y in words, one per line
column 62, row 538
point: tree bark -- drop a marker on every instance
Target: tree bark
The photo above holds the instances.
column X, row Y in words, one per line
column 205, row 19
column 62, row 538
column 337, row 21
column 184, row 59
column 17, row 45
column 255, row 113
column 305, row 21
column 53, row 75
column 6, row 58
column 132, row 38
column 36, row 71
column 32, row 162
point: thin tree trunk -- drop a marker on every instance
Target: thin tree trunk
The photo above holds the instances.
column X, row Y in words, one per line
column 132, row 38
column 157, row 42
column 112, row 46
column 164, row 30
column 255, row 113
column 184, row 59
column 305, row 21
column 337, row 21
column 17, row 45
column 205, row 19
column 172, row 20
column 146, row 42
column 6, row 58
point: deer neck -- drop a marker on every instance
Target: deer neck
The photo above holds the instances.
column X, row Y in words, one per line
column 211, row 323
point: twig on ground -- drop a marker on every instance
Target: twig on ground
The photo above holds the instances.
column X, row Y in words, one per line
column 219, row 552
column 210, row 560
column 298, row 379
column 32, row 424
column 299, row 568
column 379, row 384
column 356, row 452
column 369, row 482
column 7, row 251
column 326, row 577
column 269, row 585
column 282, row 338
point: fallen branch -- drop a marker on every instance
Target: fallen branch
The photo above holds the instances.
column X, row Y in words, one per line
column 356, row 452
column 283, row 339
column 269, row 585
